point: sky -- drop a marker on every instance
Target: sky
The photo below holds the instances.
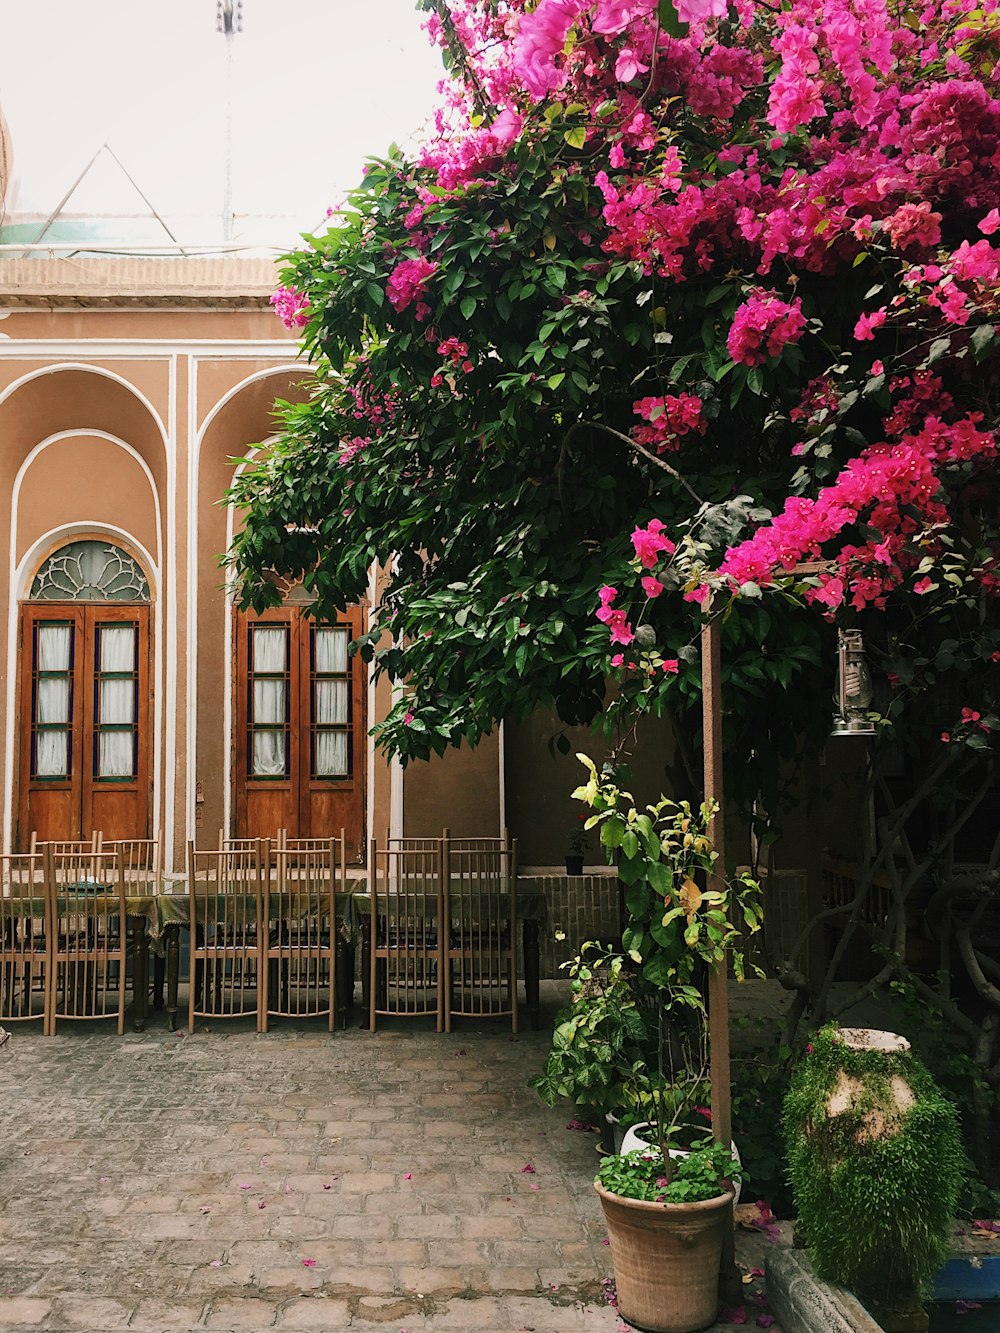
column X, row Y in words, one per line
column 317, row 85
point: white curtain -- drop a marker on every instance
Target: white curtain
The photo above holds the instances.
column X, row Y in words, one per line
column 116, row 749
column 53, row 647
column 331, row 651
column 331, row 754
column 51, row 754
column 52, row 700
column 270, row 654
column 331, row 702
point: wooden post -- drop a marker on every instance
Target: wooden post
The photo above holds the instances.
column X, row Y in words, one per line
column 730, row 1283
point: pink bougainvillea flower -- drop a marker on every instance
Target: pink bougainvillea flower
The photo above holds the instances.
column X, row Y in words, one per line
column 328, row 1187
column 670, row 666
column 246, row 1187
column 408, row 717
column 408, row 281
column 215, row 1263
column 407, row 1175
column 617, row 659
column 533, row 1187
column 528, row 1169
column 649, row 542
column 864, row 330
column 966, row 1307
column 991, row 222
column 308, row 1263
column 651, row 586
column 541, row 36
column 613, row 16
column 737, row 1316
column 291, row 307
column 765, row 1320
column 762, row 326
column 697, row 11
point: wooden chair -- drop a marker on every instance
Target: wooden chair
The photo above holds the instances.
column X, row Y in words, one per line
column 25, row 930
column 227, row 946
column 406, row 912
column 88, row 936
column 66, row 846
column 302, row 939
column 480, row 948
column 142, row 870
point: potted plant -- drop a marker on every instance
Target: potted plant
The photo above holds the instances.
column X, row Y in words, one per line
column 667, row 1217
column 666, row 1226
column 576, row 848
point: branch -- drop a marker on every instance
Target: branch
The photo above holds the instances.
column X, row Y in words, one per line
column 625, row 439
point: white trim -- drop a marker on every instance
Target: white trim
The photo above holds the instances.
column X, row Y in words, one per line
column 170, row 684
column 87, row 369
column 190, row 696
column 18, row 585
column 134, row 349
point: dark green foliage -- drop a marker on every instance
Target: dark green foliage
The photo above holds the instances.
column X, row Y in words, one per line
column 876, row 1209
column 603, row 1053
column 702, row 1174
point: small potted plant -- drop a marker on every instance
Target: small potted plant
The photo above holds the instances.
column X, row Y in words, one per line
column 666, row 1225
column 576, row 848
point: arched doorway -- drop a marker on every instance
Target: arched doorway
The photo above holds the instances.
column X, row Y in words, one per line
column 85, row 687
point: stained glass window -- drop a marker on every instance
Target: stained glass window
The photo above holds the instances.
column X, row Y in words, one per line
column 90, row 571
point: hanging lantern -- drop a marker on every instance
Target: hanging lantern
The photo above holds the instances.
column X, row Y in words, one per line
column 854, row 687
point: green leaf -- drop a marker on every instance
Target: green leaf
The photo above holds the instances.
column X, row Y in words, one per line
column 556, row 379
column 468, row 306
column 576, row 137
column 375, row 292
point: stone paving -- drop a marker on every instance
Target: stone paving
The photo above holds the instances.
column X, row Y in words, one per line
column 294, row 1181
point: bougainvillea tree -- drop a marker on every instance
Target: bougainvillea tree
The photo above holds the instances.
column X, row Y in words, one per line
column 684, row 308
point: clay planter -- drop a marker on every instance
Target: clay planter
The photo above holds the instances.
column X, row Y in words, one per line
column 666, row 1259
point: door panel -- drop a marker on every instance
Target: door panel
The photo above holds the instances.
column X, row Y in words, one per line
column 300, row 739
column 85, row 709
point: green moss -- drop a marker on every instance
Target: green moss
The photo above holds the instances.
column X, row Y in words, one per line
column 876, row 1209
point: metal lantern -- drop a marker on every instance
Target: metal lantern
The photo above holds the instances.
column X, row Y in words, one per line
column 854, row 687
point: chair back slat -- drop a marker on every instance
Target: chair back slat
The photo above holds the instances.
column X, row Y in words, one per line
column 302, row 931
column 480, row 895
column 66, row 846
column 226, row 951
column 24, row 935
column 89, row 935
column 406, row 910
column 142, row 863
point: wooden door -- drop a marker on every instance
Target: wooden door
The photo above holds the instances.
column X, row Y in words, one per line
column 300, row 727
column 85, row 735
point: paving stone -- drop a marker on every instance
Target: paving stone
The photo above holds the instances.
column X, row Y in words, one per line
column 130, row 1213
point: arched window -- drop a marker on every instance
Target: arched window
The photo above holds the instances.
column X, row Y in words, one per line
column 85, row 696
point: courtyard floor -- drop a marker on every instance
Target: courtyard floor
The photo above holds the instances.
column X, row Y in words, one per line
column 296, row 1181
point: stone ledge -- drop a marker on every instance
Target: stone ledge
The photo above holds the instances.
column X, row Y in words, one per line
column 803, row 1304
column 111, row 283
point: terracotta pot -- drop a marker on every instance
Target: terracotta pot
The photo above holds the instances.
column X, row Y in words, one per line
column 666, row 1259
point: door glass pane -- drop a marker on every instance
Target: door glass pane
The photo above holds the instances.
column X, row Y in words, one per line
column 269, row 650
column 268, row 701
column 52, row 699
column 117, row 701
column 52, row 754
column 331, row 651
column 268, row 754
column 53, row 647
column 115, row 754
column 331, row 701
column 117, row 648
column 90, row 571
column 331, row 754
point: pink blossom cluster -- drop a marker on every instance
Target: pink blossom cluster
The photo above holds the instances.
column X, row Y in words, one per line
column 762, row 326
column 649, row 542
column 616, row 620
column 351, row 449
column 408, row 282
column 670, row 416
column 291, row 307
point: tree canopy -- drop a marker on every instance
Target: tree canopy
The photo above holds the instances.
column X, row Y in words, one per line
column 718, row 276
